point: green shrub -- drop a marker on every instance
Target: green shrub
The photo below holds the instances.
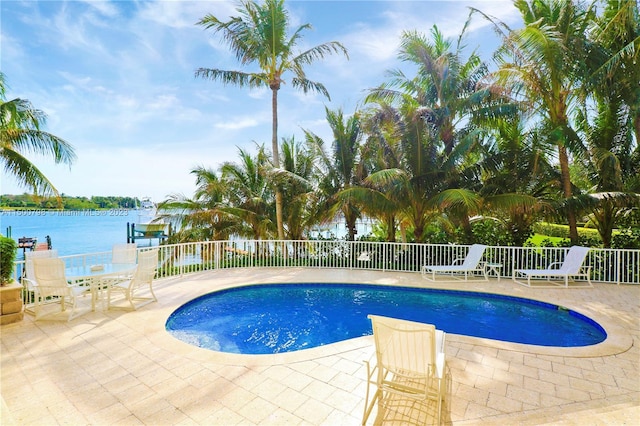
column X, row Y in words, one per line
column 8, row 249
column 626, row 239
column 491, row 233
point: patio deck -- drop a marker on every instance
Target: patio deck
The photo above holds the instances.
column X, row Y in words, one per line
column 121, row 367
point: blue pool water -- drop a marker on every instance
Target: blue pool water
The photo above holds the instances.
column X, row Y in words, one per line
column 267, row 319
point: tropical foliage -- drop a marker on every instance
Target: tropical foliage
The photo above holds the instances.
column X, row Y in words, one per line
column 21, row 133
column 450, row 147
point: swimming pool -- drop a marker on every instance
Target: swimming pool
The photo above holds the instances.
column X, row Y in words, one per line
column 275, row 318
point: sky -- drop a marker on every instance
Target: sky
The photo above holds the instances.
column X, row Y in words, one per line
column 117, row 81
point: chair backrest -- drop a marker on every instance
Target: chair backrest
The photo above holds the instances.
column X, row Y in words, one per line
column 574, row 259
column 124, row 253
column 147, row 266
column 404, row 347
column 28, row 262
column 50, row 276
column 476, row 251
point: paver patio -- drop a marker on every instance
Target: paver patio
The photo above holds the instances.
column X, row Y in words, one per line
column 121, row 367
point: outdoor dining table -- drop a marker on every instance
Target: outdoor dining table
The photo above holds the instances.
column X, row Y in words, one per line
column 96, row 276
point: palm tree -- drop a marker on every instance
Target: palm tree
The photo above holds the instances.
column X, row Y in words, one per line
column 542, row 65
column 617, row 32
column 447, row 90
column 20, row 133
column 338, row 168
column 203, row 217
column 435, row 111
column 610, row 116
column 517, row 184
column 411, row 172
column 260, row 36
column 249, row 194
column 380, row 195
column 296, row 179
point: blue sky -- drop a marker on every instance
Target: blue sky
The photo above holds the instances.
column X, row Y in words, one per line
column 116, row 79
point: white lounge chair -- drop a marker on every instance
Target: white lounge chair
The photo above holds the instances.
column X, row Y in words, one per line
column 142, row 277
column 559, row 273
column 51, row 286
column 470, row 265
column 409, row 370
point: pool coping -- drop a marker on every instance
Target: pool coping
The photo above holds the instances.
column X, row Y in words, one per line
column 618, row 338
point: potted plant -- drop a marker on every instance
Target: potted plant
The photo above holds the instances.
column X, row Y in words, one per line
column 8, row 249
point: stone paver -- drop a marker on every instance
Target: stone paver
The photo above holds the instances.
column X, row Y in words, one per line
column 123, row 368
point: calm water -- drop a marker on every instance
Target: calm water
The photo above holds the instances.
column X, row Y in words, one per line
column 91, row 231
column 71, row 232
column 266, row 319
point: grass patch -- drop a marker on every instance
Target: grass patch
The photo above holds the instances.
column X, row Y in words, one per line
column 538, row 239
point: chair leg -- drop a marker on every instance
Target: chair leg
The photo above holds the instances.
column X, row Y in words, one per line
column 37, row 301
column 153, row 295
column 129, row 297
column 368, row 406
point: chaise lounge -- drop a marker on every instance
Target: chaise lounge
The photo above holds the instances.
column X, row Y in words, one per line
column 559, row 273
column 470, row 265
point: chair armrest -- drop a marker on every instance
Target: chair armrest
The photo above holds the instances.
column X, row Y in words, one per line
column 80, row 284
column 371, row 367
column 551, row 265
column 30, row 284
column 458, row 259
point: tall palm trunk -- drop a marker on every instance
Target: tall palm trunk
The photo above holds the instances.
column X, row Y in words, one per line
column 636, row 126
column 276, row 157
column 566, row 189
column 391, row 228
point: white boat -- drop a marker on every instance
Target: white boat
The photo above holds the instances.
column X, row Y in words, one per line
column 148, row 225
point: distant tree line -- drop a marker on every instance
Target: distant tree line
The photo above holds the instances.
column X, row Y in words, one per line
column 29, row 201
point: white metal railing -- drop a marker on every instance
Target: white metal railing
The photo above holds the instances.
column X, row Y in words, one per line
column 607, row 265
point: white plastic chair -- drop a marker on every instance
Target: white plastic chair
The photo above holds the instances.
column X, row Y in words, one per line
column 410, row 365
column 570, row 268
column 142, row 277
column 51, row 286
column 470, row 264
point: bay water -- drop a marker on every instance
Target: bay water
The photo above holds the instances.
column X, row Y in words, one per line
column 71, row 232
column 93, row 231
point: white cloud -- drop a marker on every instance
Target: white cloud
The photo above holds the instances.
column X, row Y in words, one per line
column 237, row 124
column 104, row 8
column 184, row 14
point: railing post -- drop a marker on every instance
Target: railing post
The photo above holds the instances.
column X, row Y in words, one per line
column 618, row 267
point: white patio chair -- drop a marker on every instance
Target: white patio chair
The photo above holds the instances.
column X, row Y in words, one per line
column 124, row 253
column 571, row 268
column 29, row 277
column 142, row 277
column 469, row 265
column 51, row 287
column 121, row 253
column 409, row 371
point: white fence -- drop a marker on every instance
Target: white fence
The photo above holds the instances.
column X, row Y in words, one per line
column 607, row 266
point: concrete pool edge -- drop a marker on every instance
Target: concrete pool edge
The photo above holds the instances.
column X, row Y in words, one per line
column 618, row 338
